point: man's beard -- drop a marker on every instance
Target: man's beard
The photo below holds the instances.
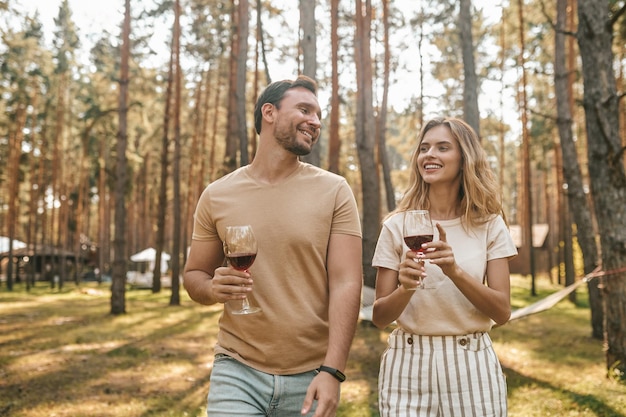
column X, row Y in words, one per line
column 288, row 141
column 298, row 149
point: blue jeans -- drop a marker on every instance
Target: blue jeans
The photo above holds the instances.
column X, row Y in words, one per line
column 238, row 390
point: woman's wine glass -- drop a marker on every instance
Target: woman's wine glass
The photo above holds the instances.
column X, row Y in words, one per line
column 417, row 230
column 240, row 248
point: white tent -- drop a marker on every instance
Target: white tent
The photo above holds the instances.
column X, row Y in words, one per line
column 149, row 255
column 4, row 244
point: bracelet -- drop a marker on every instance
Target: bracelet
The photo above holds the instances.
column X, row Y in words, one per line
column 339, row 376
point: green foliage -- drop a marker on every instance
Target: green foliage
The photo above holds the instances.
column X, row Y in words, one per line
column 66, row 39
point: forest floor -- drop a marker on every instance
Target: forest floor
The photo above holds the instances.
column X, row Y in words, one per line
column 62, row 354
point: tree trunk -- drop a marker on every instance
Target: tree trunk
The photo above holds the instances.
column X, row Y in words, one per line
column 214, row 127
column 118, row 284
column 34, row 163
column 261, row 39
column 575, row 194
column 252, row 136
column 57, row 173
column 176, row 235
column 381, row 129
column 232, row 127
column 196, row 156
column 501, row 133
column 526, row 184
column 242, row 71
column 606, row 169
column 103, row 212
column 15, row 152
column 334, row 142
column 365, row 139
column 162, row 206
column 308, row 48
column 470, row 84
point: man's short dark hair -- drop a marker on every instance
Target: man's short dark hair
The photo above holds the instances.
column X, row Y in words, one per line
column 274, row 93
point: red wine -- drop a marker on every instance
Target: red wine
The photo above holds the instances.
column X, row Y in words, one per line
column 241, row 261
column 415, row 242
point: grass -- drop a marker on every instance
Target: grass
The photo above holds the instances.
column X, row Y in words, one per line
column 62, row 354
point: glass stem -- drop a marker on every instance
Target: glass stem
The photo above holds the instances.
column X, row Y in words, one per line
column 245, row 305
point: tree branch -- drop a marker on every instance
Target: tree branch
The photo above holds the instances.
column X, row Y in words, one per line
column 545, row 116
column 618, row 14
column 551, row 22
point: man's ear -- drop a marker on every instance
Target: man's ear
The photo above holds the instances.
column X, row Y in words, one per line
column 268, row 111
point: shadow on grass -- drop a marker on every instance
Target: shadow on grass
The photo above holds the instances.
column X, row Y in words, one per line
column 68, row 351
column 62, row 353
column 188, row 399
column 516, row 380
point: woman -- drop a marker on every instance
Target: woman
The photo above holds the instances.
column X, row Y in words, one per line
column 440, row 361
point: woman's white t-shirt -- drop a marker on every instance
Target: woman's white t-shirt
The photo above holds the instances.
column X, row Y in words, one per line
column 441, row 309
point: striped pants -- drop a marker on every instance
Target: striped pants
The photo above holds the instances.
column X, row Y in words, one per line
column 441, row 376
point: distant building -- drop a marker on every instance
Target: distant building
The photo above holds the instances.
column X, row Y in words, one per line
column 42, row 262
column 521, row 263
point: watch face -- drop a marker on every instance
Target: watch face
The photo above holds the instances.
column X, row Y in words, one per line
column 340, row 376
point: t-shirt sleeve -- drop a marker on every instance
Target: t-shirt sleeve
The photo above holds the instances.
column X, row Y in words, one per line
column 346, row 218
column 501, row 243
column 203, row 225
column 389, row 248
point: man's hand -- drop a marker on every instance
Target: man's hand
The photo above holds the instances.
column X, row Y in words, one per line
column 230, row 284
column 325, row 390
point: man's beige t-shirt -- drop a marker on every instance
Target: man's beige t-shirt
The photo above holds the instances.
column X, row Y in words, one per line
column 292, row 222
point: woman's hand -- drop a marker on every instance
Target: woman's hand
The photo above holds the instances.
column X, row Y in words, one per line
column 412, row 271
column 494, row 299
column 440, row 253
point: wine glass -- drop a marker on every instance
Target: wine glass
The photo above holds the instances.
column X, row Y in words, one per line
column 240, row 249
column 417, row 229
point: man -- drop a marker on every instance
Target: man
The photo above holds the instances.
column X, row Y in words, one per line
column 290, row 357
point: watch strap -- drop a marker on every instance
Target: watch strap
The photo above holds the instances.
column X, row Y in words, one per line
column 339, row 376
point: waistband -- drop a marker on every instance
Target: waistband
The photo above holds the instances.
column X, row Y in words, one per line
column 399, row 339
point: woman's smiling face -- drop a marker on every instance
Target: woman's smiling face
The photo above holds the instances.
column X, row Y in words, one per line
column 439, row 159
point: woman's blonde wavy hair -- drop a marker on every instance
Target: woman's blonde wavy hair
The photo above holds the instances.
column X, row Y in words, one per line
column 479, row 195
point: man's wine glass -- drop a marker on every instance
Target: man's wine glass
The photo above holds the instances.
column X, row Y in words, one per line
column 240, row 249
column 417, row 230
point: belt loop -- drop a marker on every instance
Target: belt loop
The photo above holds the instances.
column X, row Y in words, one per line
column 475, row 343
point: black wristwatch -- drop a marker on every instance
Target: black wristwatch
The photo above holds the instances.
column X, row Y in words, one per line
column 340, row 376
